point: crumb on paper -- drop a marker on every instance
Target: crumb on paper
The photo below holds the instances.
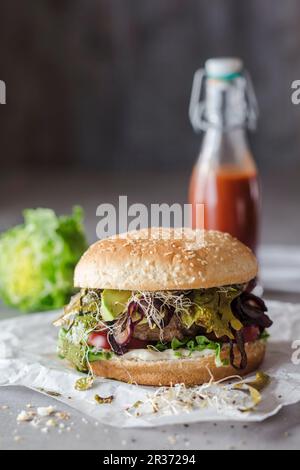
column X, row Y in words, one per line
column 35, row 422
column 44, row 418
column 18, row 438
column 62, row 415
column 25, row 416
column 45, row 410
column 4, row 407
column 172, row 439
column 51, row 423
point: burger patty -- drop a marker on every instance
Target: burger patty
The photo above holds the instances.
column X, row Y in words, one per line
column 174, row 329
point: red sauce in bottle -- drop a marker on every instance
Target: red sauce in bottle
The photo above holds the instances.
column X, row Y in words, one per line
column 230, row 196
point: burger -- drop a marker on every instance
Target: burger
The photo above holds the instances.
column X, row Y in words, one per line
column 155, row 308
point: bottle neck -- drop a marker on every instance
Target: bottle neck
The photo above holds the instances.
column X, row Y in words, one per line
column 216, row 136
column 226, row 107
column 226, row 148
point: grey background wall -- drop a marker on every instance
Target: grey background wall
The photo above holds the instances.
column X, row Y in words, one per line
column 106, row 83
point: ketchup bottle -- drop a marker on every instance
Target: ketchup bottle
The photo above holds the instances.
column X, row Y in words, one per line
column 225, row 178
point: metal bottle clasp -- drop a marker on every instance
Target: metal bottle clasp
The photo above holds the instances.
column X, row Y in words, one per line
column 197, row 106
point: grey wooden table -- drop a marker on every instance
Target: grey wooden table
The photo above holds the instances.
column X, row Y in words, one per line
column 60, row 191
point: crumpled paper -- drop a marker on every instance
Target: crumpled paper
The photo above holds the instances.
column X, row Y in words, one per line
column 28, row 358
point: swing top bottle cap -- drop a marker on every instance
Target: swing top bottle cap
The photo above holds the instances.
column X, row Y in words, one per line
column 225, row 68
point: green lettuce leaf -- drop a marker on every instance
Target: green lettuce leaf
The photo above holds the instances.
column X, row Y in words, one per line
column 73, row 352
column 72, row 342
column 100, row 356
column 37, row 259
column 199, row 343
column 213, row 312
column 176, row 344
column 264, row 335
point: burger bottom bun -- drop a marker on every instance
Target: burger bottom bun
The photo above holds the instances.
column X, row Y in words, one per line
column 187, row 371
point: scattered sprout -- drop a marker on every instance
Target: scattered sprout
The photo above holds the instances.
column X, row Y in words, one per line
column 51, row 393
column 221, row 395
column 261, row 381
column 103, row 400
column 84, row 383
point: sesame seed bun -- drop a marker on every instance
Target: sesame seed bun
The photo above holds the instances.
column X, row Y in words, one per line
column 187, row 371
column 157, row 259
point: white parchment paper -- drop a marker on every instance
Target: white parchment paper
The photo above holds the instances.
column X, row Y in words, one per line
column 28, row 358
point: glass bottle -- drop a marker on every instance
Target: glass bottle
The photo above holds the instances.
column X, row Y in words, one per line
column 225, row 177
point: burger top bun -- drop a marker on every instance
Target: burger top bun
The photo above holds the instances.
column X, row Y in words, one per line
column 165, row 259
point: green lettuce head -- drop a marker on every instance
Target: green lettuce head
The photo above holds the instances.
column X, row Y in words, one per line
column 37, row 259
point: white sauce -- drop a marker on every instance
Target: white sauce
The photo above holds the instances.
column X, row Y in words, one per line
column 150, row 355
